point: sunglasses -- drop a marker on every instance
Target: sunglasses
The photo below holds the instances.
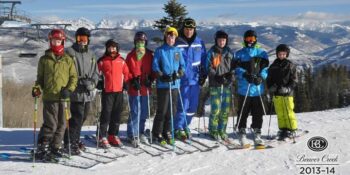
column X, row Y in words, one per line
column 82, row 38
column 250, row 39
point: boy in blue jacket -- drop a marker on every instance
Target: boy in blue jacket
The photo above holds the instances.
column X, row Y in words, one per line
column 169, row 65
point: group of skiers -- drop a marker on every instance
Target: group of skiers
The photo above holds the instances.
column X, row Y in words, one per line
column 180, row 67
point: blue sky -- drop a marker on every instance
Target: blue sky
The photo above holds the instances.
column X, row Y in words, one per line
column 198, row 9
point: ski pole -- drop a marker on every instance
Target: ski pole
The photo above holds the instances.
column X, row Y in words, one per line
column 199, row 125
column 138, row 115
column 67, row 121
column 240, row 115
column 35, row 118
column 171, row 116
column 131, row 121
column 149, row 115
column 290, row 122
column 183, row 110
column 268, row 131
column 98, row 114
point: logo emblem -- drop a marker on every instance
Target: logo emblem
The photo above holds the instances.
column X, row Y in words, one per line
column 317, row 143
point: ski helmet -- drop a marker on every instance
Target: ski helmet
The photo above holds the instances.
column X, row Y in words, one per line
column 252, row 36
column 221, row 34
column 57, row 34
column 82, row 31
column 140, row 36
column 189, row 23
column 110, row 43
column 282, row 48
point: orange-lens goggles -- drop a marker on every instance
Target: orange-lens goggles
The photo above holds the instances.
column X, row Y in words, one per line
column 82, row 38
column 250, row 39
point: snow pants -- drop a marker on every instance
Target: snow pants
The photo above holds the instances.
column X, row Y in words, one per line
column 220, row 101
column 112, row 105
column 284, row 107
column 190, row 97
column 133, row 127
column 252, row 105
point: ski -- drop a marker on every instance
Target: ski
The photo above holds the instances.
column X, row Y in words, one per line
column 198, row 146
column 275, row 142
column 188, row 148
column 73, row 161
column 144, row 147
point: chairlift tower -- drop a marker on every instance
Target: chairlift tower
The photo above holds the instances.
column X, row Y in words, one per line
column 8, row 12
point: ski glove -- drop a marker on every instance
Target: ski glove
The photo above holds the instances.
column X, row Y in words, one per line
column 257, row 80
column 166, row 78
column 249, row 77
column 88, row 83
column 65, row 93
column 178, row 74
column 220, row 79
column 273, row 89
column 99, row 85
column 284, row 90
column 148, row 81
column 201, row 80
column 36, row 92
column 135, row 83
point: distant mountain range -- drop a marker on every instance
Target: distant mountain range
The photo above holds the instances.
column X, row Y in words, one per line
column 312, row 43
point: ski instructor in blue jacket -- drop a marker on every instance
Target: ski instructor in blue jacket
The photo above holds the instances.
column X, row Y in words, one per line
column 194, row 54
column 252, row 63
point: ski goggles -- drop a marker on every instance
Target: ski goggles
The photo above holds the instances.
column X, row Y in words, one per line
column 250, row 39
column 190, row 24
column 82, row 38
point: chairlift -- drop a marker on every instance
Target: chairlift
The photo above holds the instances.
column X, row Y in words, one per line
column 26, row 54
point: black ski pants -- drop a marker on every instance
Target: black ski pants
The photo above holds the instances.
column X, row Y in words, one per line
column 112, row 106
column 162, row 120
column 252, row 105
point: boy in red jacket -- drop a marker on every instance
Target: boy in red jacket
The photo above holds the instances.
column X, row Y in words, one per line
column 139, row 62
column 115, row 72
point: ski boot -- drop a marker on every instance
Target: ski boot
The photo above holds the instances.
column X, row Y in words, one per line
column 188, row 133
column 180, row 134
column 42, row 151
column 82, row 146
column 258, row 142
column 282, row 134
column 103, row 143
column 114, row 141
column 243, row 138
column 74, row 149
column 158, row 138
column 57, row 153
column 169, row 139
column 133, row 141
column 223, row 135
column 214, row 135
column 144, row 139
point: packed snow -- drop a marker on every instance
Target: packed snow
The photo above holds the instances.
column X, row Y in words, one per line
column 283, row 159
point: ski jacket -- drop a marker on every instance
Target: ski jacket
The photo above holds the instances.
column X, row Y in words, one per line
column 194, row 55
column 223, row 68
column 114, row 71
column 142, row 68
column 247, row 59
column 54, row 74
column 86, row 66
column 282, row 73
column 168, row 59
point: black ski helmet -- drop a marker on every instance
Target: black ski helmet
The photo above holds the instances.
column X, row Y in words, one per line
column 82, row 31
column 189, row 23
column 282, row 48
column 249, row 33
column 221, row 34
column 110, row 43
column 140, row 35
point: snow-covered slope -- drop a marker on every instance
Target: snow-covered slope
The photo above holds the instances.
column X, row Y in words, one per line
column 332, row 125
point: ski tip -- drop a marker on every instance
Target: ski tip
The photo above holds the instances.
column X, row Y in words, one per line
column 259, row 147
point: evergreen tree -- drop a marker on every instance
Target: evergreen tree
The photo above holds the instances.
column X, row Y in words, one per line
column 175, row 11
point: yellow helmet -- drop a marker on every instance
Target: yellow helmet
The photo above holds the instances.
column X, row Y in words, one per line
column 171, row 30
